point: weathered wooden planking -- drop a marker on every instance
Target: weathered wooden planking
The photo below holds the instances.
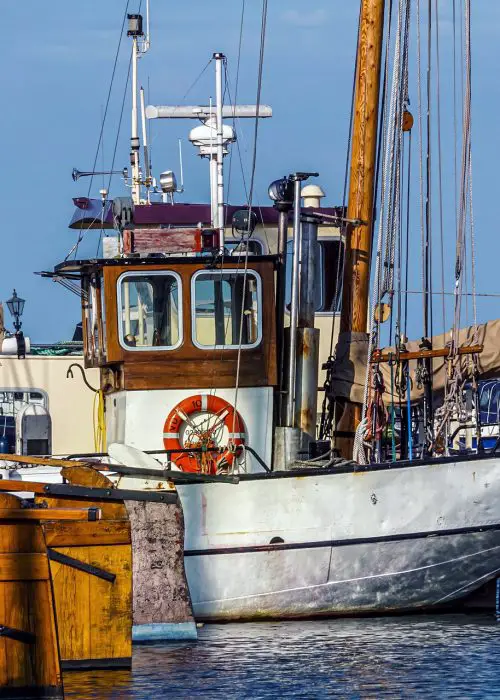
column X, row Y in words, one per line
column 68, row 534
column 79, row 514
column 94, row 615
column 86, row 476
column 27, row 668
column 41, row 461
column 23, row 566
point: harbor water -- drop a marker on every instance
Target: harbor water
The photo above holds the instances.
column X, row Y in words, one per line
column 452, row 656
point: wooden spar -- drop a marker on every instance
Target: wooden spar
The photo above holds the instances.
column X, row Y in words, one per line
column 44, row 461
column 354, row 317
column 379, row 356
column 52, row 514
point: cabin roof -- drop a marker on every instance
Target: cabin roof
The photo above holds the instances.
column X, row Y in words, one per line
column 89, row 213
column 72, row 267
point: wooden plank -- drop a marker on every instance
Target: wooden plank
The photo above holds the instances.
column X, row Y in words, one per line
column 49, row 514
column 196, row 373
column 26, row 603
column 379, row 356
column 42, row 461
column 87, row 476
column 100, row 626
column 17, row 485
column 18, row 566
column 104, row 532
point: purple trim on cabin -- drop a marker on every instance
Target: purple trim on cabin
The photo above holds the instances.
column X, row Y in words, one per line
column 88, row 214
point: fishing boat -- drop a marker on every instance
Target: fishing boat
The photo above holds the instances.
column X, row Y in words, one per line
column 209, row 347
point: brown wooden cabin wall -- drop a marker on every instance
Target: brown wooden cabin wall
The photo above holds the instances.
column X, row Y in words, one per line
column 188, row 366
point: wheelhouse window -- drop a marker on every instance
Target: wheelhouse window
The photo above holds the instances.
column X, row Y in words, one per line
column 225, row 304
column 94, row 318
column 149, row 309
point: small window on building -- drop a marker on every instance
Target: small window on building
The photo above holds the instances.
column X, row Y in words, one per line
column 329, row 269
column 150, row 316
column 225, row 304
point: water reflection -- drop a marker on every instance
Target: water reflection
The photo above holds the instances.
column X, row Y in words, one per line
column 417, row 657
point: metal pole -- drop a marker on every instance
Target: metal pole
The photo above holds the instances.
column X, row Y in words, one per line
column 145, row 139
column 307, row 297
column 134, row 141
column 280, row 304
column 219, row 59
column 294, row 306
column 213, row 191
column 307, row 359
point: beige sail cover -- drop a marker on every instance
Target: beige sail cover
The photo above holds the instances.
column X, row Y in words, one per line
column 349, row 370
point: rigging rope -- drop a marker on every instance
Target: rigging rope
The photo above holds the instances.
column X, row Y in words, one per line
column 103, row 122
column 238, row 62
column 250, row 197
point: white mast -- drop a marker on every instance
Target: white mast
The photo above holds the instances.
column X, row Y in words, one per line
column 219, row 59
column 135, row 31
column 134, row 138
column 214, row 209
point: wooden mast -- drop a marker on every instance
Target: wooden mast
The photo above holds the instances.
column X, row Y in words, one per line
column 356, row 281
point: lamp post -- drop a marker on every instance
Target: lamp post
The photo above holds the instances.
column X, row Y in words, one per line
column 16, row 307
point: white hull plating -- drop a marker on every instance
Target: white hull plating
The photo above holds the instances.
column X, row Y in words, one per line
column 389, row 539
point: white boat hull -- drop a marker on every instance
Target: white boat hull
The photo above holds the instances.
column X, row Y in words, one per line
column 391, row 539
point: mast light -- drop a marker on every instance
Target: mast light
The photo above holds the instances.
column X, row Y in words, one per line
column 135, row 25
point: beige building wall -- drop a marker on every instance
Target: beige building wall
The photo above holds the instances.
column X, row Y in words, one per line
column 70, row 402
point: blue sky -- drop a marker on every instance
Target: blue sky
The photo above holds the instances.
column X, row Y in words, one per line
column 57, row 59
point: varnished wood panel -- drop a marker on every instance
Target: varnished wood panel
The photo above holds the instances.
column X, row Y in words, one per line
column 66, row 534
column 26, row 604
column 100, row 623
column 94, row 615
column 23, row 566
column 192, row 373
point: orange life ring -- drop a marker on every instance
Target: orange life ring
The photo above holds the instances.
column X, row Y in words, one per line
column 189, row 461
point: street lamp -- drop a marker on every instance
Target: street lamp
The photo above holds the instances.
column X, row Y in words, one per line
column 16, row 307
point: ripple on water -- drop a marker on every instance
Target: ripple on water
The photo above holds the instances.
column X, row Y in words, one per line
column 403, row 657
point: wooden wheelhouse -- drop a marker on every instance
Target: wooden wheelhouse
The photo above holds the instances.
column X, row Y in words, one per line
column 175, row 324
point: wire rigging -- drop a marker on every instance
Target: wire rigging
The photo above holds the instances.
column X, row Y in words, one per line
column 108, row 99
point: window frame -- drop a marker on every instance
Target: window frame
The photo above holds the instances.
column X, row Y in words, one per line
column 341, row 241
column 119, row 309
column 221, row 272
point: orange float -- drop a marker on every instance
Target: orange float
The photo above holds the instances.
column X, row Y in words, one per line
column 212, row 459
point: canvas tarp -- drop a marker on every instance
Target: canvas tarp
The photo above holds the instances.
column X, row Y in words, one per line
column 349, row 370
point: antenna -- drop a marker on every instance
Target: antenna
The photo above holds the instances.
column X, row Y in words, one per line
column 181, row 189
column 147, row 165
column 147, row 42
column 212, row 137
